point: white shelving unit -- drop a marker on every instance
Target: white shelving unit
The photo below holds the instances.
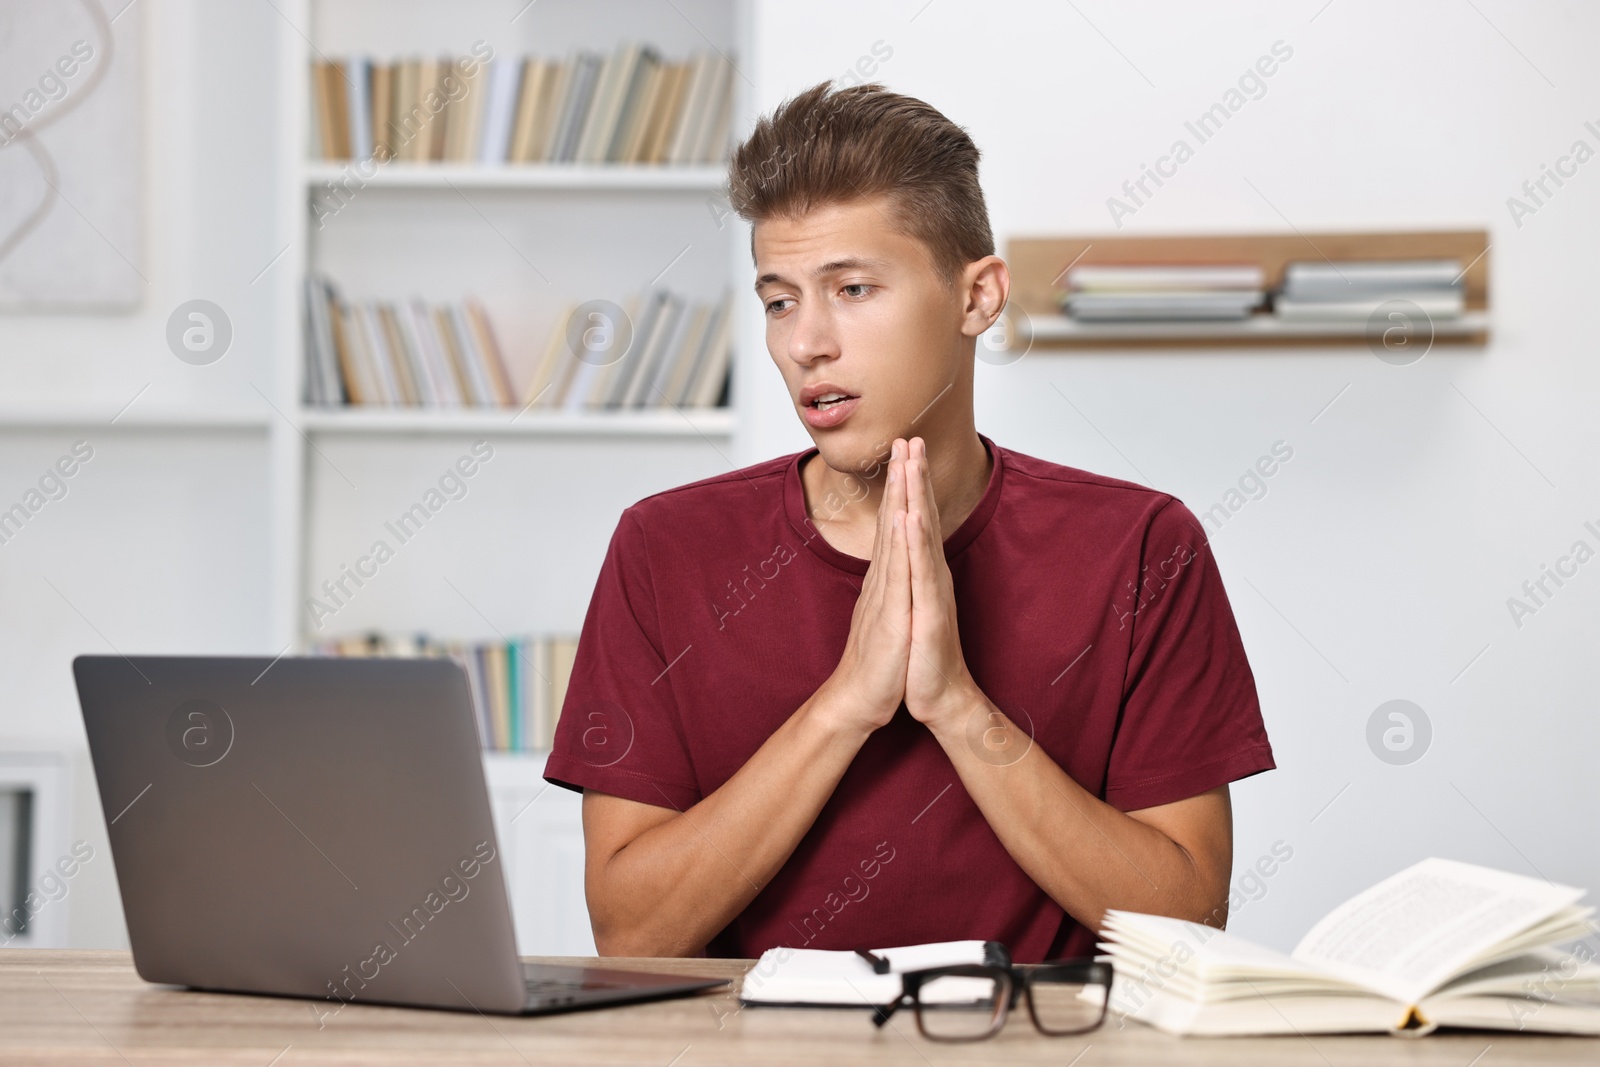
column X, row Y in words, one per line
column 525, row 239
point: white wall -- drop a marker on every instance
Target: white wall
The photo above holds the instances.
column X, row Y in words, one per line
column 1379, row 563
column 161, row 543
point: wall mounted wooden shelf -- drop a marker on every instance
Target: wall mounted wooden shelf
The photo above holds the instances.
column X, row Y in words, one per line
column 1039, row 263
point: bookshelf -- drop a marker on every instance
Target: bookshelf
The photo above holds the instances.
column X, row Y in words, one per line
column 518, row 553
column 410, row 229
column 1037, row 264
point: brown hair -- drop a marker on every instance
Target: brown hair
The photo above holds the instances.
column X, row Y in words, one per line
column 827, row 147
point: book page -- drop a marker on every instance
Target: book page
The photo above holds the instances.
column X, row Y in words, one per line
column 1412, row 932
column 1209, row 953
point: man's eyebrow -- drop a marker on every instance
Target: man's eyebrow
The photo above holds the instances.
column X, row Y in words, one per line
column 834, row 266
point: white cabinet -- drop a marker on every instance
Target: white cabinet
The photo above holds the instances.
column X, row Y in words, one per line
column 540, row 830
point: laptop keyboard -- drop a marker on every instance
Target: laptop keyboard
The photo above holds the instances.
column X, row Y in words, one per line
column 543, row 986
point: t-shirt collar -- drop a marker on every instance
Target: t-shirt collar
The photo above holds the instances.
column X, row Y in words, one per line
column 794, row 506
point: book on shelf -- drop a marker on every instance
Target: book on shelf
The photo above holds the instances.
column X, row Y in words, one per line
column 1354, row 289
column 499, row 112
column 1434, row 303
column 401, row 354
column 631, row 106
column 517, row 686
column 1161, row 306
column 324, row 384
column 1156, row 292
column 1441, row 943
column 358, row 106
column 1313, row 277
column 410, row 353
column 1139, row 277
column 679, row 355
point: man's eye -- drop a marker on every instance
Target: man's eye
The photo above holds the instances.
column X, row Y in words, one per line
column 773, row 306
column 857, row 285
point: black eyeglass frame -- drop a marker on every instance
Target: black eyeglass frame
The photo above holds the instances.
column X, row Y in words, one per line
column 1018, row 982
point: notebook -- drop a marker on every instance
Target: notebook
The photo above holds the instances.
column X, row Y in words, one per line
column 807, row 977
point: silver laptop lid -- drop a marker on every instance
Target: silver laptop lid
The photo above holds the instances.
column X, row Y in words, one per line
column 311, row 826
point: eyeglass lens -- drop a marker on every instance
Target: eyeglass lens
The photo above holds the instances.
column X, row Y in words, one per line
column 962, row 1007
column 1062, row 1004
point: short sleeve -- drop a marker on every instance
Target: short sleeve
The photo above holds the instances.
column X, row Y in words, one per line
column 1191, row 720
column 619, row 730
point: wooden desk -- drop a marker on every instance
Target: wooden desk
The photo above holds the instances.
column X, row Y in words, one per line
column 78, row 1007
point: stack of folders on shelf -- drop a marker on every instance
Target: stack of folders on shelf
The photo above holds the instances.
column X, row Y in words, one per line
column 632, row 106
column 1353, row 290
column 400, row 354
column 517, row 687
column 677, row 354
column 1162, row 293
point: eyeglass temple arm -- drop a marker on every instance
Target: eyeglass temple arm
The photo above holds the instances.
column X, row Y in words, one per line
column 881, row 1013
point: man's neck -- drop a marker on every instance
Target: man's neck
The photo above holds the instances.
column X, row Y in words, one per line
column 847, row 520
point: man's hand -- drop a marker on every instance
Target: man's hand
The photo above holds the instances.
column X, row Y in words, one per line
column 939, row 691
column 870, row 681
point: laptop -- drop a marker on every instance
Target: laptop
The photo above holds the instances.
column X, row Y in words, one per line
column 317, row 827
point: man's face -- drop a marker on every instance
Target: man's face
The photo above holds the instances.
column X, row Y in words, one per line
column 855, row 307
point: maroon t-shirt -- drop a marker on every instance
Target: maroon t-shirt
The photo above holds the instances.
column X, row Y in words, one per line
column 1091, row 611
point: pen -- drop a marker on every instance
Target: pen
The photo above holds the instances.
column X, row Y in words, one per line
column 879, row 964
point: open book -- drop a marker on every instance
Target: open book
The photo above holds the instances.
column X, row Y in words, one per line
column 1441, row 943
column 810, row 977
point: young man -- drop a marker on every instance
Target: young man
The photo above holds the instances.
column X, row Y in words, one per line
column 907, row 685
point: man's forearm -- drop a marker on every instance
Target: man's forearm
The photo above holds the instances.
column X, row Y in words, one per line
column 675, row 886
column 1086, row 854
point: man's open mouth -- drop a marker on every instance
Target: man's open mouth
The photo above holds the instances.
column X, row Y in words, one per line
column 828, row 400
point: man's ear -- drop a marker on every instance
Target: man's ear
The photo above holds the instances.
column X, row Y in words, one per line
column 986, row 286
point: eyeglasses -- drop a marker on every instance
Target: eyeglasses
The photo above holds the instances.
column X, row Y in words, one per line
column 970, row 1002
